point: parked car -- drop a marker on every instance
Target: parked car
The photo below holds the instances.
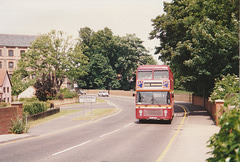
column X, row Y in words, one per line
column 82, row 92
column 103, row 94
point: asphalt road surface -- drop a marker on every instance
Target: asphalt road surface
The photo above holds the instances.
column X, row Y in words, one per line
column 118, row 137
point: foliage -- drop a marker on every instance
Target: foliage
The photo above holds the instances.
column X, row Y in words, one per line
column 66, row 93
column 3, row 104
column 48, row 55
column 228, row 85
column 78, row 68
column 35, row 107
column 45, row 88
column 112, row 59
column 226, row 143
column 19, row 126
column 25, row 100
column 19, row 84
column 199, row 39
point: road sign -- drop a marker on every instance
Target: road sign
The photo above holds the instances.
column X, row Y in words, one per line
column 87, row 98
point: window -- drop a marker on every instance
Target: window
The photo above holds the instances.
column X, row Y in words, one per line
column 10, row 65
column 0, row 64
column 144, row 74
column 161, row 74
column 0, row 52
column 10, row 53
column 4, row 89
column 7, row 89
column 154, row 98
column 22, row 51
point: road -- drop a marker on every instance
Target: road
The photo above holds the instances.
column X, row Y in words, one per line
column 118, row 137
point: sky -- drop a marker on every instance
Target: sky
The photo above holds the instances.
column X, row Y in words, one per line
column 33, row 17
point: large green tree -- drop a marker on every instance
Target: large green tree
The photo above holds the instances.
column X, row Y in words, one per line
column 199, row 40
column 112, row 59
column 48, row 56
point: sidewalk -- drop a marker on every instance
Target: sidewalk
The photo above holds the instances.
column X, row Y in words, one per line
column 62, row 123
column 192, row 140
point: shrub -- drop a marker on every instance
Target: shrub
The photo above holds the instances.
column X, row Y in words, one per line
column 35, row 107
column 3, row 104
column 226, row 143
column 26, row 100
column 66, row 93
column 227, row 85
column 45, row 88
column 17, row 126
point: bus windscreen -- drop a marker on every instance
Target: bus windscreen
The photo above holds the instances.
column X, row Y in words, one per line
column 153, row 98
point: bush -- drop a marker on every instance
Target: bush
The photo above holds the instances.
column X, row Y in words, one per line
column 17, row 126
column 227, row 85
column 226, row 143
column 66, row 93
column 3, row 104
column 35, row 107
column 26, row 100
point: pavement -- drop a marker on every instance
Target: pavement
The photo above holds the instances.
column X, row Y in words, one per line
column 189, row 145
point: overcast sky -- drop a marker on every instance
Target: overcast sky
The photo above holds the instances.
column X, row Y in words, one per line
column 34, row 17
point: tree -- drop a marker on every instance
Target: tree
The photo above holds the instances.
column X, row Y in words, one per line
column 78, row 69
column 199, row 40
column 45, row 88
column 48, row 55
column 111, row 56
column 19, row 84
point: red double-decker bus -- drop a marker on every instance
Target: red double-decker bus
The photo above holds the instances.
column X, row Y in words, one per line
column 154, row 93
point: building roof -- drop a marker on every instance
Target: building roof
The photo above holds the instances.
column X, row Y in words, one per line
column 2, row 76
column 3, row 73
column 16, row 40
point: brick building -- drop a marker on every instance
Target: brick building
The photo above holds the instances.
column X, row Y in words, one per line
column 11, row 47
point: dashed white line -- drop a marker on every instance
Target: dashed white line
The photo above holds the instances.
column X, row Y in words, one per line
column 127, row 125
column 109, row 133
column 70, row 148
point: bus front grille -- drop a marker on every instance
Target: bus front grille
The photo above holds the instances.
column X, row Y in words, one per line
column 153, row 112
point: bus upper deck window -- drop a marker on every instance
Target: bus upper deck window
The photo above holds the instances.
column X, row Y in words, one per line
column 145, row 75
column 161, row 74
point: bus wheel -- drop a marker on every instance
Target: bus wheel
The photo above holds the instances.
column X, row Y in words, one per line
column 140, row 121
column 169, row 121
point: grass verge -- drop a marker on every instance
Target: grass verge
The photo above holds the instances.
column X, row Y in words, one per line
column 96, row 113
column 34, row 123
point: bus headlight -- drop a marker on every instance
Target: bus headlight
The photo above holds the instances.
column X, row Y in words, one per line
column 165, row 112
column 140, row 112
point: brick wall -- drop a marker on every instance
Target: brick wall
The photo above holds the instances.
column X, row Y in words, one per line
column 212, row 108
column 7, row 114
column 183, row 97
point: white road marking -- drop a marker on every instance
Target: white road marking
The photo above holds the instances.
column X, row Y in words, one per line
column 70, row 148
column 127, row 125
column 109, row 133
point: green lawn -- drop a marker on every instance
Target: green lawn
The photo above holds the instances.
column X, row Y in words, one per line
column 34, row 123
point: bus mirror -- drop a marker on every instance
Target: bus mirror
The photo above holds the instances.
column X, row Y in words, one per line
column 172, row 95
